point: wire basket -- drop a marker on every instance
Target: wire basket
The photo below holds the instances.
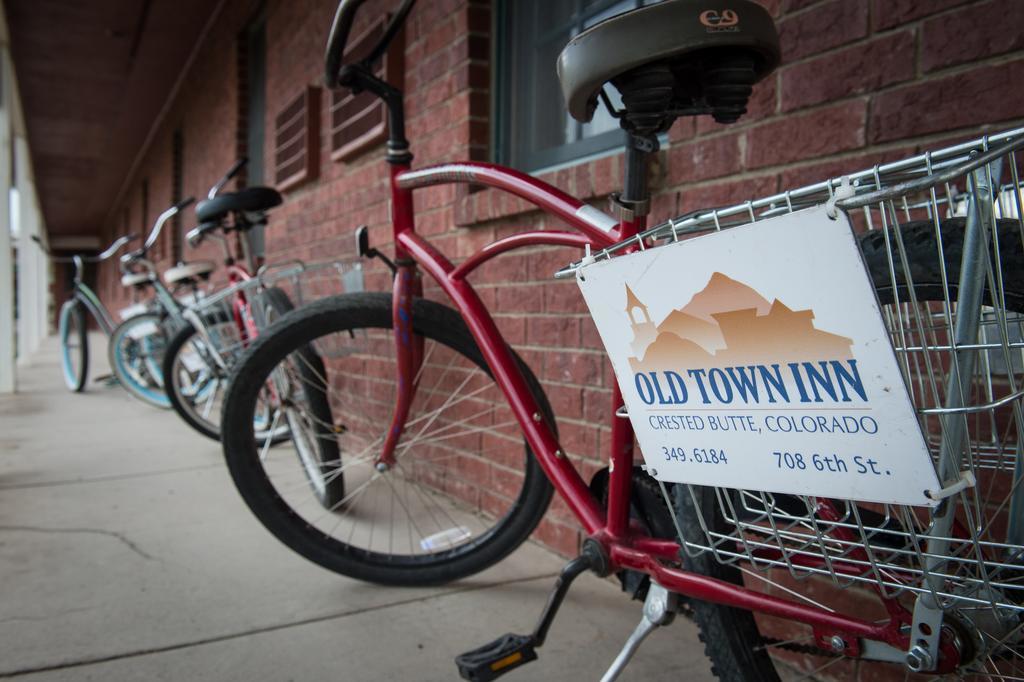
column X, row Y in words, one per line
column 227, row 328
column 950, row 236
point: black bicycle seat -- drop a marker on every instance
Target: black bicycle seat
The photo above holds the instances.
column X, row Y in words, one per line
column 708, row 54
column 248, row 199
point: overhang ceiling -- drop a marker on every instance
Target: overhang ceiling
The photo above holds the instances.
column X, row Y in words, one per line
column 94, row 77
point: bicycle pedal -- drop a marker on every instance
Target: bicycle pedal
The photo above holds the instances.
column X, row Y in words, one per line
column 492, row 660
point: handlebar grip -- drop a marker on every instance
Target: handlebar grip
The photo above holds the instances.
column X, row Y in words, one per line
column 340, row 28
column 133, row 255
column 196, row 234
column 239, row 165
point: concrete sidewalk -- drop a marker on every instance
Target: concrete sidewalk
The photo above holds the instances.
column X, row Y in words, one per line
column 126, row 554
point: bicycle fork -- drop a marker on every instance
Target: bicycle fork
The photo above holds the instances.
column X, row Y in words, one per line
column 408, row 286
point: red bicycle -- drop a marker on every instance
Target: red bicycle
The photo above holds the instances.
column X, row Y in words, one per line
column 430, row 406
column 199, row 357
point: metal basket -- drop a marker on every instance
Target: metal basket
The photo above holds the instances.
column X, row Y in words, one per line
column 219, row 323
column 962, row 360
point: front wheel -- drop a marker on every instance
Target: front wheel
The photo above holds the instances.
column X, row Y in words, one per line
column 197, row 367
column 136, row 351
column 74, row 345
column 720, row 523
column 463, row 492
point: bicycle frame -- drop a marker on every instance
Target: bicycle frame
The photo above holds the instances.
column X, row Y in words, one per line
column 87, row 297
column 623, row 543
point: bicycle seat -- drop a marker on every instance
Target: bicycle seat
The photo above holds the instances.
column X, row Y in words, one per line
column 248, row 199
column 136, row 279
column 676, row 57
column 189, row 272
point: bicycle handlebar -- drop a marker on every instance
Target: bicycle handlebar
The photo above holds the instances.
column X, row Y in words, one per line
column 334, row 70
column 161, row 219
column 196, row 234
column 114, row 248
column 232, row 172
column 110, row 250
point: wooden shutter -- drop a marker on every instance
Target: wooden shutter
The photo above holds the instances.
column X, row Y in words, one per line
column 359, row 122
column 297, row 140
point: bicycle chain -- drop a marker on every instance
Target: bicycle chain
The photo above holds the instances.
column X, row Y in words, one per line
column 808, row 649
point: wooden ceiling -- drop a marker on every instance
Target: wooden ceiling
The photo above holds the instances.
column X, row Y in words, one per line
column 94, row 77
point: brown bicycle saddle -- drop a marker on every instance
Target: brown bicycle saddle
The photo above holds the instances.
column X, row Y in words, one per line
column 678, row 57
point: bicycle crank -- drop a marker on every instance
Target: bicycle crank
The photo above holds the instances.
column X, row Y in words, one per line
column 511, row 651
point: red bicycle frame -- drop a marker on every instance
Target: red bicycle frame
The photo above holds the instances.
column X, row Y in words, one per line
column 624, row 544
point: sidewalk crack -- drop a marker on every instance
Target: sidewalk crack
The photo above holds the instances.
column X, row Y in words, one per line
column 86, row 531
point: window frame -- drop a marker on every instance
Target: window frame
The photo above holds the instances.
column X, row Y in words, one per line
column 509, row 80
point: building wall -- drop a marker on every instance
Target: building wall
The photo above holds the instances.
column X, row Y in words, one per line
column 862, row 81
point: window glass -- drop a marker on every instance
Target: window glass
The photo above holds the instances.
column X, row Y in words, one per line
column 534, row 128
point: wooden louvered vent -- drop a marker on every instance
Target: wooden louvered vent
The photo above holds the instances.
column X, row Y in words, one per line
column 296, row 140
column 359, row 122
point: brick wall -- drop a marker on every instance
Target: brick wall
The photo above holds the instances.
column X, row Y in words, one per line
column 861, row 82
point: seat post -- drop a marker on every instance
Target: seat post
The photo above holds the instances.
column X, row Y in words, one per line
column 635, row 196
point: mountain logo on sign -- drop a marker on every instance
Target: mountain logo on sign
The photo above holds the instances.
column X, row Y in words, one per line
column 728, row 323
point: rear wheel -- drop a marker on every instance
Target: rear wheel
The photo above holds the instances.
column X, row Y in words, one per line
column 74, row 345
column 463, row 492
column 754, row 649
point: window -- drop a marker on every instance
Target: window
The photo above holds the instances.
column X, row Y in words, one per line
column 535, row 130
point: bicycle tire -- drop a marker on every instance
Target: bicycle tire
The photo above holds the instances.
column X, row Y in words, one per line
column 137, row 374
column 355, row 318
column 278, row 302
column 71, row 329
column 321, row 458
column 732, row 641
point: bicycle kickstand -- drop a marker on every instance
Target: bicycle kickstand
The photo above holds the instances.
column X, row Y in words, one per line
column 510, row 651
column 659, row 609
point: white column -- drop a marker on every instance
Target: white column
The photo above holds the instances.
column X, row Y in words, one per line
column 7, row 338
column 28, row 262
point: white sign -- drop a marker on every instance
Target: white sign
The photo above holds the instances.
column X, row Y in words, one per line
column 757, row 358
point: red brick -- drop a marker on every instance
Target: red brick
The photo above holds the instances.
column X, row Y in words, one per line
column 559, row 537
column 563, row 297
column 774, row 7
column 573, row 367
column 726, row 193
column 794, row 178
column 566, row 401
column 597, row 405
column 852, row 71
column 762, row 102
column 789, row 6
column 519, row 299
column 578, row 438
column 607, row 175
column 889, row 13
column 513, row 328
column 557, row 332
column 984, row 95
column 833, row 129
column 823, row 27
column 684, row 128
column 981, row 30
column 706, row 158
